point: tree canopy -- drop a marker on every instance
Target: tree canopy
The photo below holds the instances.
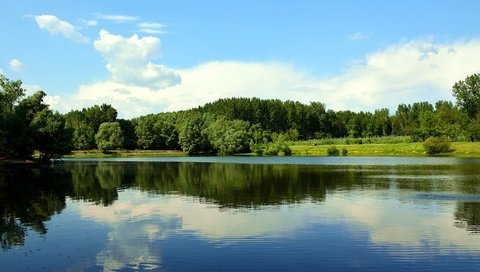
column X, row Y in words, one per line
column 226, row 126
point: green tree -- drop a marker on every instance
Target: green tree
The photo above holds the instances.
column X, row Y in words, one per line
column 128, row 131
column 449, row 120
column 473, row 130
column 51, row 137
column 10, row 94
column 192, row 137
column 21, row 137
column 109, row 136
column 83, row 137
column 96, row 115
column 228, row 137
column 467, row 93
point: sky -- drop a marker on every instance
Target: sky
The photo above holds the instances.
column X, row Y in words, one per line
column 150, row 56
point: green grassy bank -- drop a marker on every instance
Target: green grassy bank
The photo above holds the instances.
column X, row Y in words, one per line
column 125, row 153
column 459, row 149
column 413, row 149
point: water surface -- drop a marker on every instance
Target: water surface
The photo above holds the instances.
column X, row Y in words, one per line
column 242, row 214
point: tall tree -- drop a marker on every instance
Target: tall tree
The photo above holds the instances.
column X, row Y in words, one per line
column 109, row 136
column 467, row 93
column 51, row 137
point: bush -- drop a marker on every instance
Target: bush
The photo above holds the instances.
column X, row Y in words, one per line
column 344, row 151
column 436, row 145
column 333, row 151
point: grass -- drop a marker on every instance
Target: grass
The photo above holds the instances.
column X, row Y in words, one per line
column 125, row 153
column 413, row 149
column 376, row 147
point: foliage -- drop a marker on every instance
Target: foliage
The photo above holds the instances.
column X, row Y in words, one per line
column 333, row 151
column 83, row 137
column 51, row 137
column 229, row 137
column 193, row 138
column 344, row 151
column 467, row 93
column 436, row 145
column 155, row 133
column 109, row 136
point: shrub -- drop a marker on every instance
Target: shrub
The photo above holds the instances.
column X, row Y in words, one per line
column 333, row 151
column 436, row 145
column 344, row 151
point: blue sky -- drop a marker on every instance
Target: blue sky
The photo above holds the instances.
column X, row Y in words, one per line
column 152, row 56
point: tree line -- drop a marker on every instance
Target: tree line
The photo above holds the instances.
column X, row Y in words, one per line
column 226, row 126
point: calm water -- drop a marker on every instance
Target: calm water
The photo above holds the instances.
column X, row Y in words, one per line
column 242, row 214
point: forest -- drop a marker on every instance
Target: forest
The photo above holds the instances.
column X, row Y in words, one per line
column 226, row 126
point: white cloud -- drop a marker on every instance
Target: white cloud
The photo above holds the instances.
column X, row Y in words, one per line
column 89, row 23
column 402, row 73
column 408, row 72
column 129, row 60
column 151, row 28
column 16, row 65
column 118, row 18
column 55, row 26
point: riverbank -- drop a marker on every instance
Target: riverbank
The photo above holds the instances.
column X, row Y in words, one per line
column 416, row 149
column 125, row 153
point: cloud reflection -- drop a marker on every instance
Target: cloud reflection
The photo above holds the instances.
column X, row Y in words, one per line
column 137, row 221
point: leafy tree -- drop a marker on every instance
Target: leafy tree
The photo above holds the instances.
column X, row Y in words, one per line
column 97, row 115
column 473, row 130
column 22, row 141
column 449, row 120
column 467, row 93
column 109, row 136
column 228, row 137
column 83, row 137
column 52, row 139
column 10, row 94
column 128, row 131
column 192, row 137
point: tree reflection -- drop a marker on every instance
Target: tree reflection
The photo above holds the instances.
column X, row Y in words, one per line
column 467, row 216
column 97, row 182
column 242, row 185
column 28, row 198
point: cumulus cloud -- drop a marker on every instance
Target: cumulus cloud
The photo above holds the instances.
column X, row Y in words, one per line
column 130, row 60
column 418, row 70
column 402, row 73
column 16, row 65
column 55, row 26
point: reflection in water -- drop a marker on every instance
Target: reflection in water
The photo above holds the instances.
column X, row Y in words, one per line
column 468, row 216
column 28, row 198
column 151, row 209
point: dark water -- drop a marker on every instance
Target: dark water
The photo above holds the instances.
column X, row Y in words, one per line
column 242, row 214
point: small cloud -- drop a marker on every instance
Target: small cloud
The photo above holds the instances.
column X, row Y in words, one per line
column 118, row 18
column 89, row 23
column 151, row 27
column 16, row 65
column 357, row 36
column 55, row 26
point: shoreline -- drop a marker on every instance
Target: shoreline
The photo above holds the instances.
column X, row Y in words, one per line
column 414, row 149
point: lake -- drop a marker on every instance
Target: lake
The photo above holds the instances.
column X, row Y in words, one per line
column 242, row 214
